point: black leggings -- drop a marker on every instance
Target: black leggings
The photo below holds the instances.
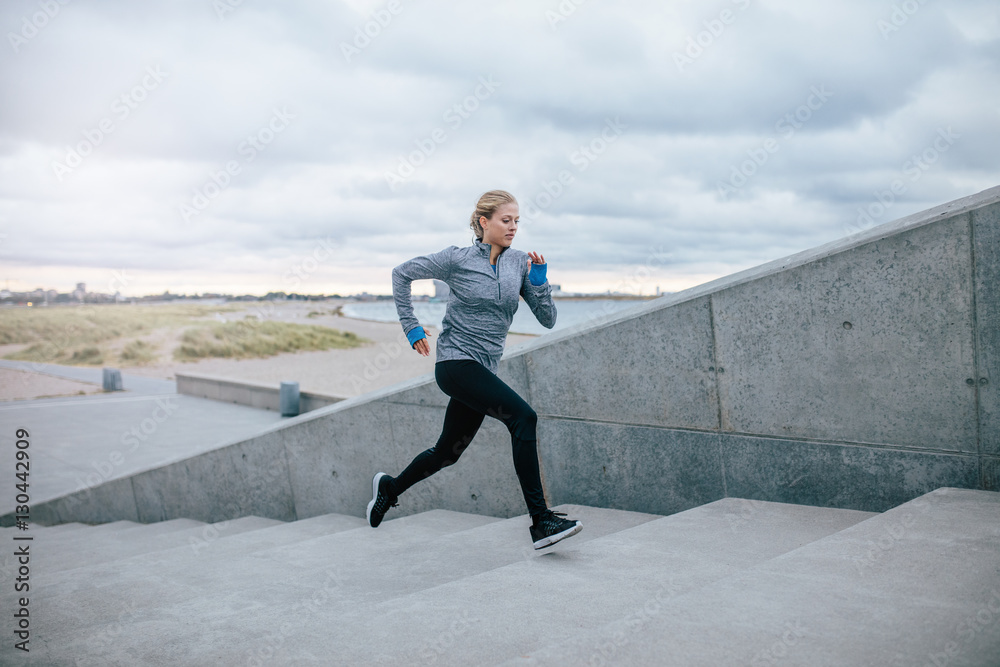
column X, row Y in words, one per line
column 476, row 392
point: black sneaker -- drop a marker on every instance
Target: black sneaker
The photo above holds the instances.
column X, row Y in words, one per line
column 549, row 529
column 382, row 499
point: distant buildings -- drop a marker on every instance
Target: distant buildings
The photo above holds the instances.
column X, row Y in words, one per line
column 80, row 295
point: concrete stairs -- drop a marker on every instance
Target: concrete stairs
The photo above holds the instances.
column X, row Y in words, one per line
column 733, row 582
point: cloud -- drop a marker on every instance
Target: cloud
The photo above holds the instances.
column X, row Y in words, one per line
column 704, row 95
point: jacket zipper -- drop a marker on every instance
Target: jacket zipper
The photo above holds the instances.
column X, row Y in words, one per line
column 497, row 273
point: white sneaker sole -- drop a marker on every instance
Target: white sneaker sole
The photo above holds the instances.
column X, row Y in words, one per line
column 371, row 504
column 552, row 539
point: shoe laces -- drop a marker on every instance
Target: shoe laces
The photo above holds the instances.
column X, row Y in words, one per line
column 384, row 502
column 382, row 508
column 550, row 515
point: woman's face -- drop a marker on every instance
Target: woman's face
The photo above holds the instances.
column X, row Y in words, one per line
column 502, row 226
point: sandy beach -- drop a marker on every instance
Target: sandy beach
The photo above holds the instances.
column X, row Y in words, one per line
column 386, row 360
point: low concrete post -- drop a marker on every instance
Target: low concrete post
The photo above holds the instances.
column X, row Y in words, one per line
column 289, row 399
column 112, row 379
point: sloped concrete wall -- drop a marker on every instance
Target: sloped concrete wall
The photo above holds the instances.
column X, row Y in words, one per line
column 859, row 374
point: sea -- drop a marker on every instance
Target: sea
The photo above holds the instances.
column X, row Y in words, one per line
column 430, row 313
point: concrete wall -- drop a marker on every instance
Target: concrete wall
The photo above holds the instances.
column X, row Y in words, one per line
column 241, row 392
column 859, row 374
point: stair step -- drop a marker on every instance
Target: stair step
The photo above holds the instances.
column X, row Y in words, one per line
column 144, row 539
column 95, row 597
column 918, row 584
column 48, row 546
column 500, row 613
column 223, row 544
column 156, row 528
column 109, row 528
column 57, row 529
column 70, row 539
column 118, row 531
column 343, row 570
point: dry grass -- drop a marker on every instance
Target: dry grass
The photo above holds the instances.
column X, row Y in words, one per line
column 127, row 334
column 138, row 353
column 253, row 338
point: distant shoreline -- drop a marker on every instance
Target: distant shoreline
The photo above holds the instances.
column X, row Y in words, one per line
column 142, row 301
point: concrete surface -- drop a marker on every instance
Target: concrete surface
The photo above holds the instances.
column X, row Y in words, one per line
column 133, row 385
column 986, row 249
column 506, row 611
column 359, row 566
column 72, row 554
column 242, row 392
column 897, row 376
column 19, row 385
column 832, row 475
column 89, row 444
column 917, row 585
column 734, row 582
column 655, row 368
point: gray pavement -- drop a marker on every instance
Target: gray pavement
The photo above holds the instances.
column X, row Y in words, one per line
column 133, row 384
column 81, row 441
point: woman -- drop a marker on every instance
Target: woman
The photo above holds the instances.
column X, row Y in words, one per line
column 486, row 279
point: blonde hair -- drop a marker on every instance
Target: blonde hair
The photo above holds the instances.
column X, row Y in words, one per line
column 487, row 205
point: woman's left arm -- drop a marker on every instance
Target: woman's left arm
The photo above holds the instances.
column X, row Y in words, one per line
column 537, row 291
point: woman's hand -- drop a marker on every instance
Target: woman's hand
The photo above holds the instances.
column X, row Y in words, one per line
column 535, row 259
column 422, row 346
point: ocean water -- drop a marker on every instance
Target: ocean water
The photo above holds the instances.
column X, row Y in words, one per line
column 568, row 312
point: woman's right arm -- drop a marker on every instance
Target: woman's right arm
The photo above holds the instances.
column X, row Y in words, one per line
column 436, row 265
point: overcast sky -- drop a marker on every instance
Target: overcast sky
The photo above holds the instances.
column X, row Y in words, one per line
column 311, row 146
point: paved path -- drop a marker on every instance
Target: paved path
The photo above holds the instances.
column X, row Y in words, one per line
column 135, row 384
column 80, row 441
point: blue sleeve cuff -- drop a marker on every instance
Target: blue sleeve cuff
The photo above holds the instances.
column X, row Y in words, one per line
column 415, row 334
column 537, row 274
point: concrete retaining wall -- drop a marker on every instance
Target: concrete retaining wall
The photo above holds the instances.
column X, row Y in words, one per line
column 254, row 394
column 859, row 374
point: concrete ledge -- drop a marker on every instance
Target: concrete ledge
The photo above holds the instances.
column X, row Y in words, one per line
column 253, row 394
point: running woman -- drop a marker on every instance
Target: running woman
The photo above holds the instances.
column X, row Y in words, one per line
column 486, row 278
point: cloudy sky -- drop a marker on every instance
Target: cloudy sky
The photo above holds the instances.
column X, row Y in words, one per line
column 243, row 146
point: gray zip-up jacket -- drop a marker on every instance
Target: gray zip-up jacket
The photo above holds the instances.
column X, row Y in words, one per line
column 482, row 302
